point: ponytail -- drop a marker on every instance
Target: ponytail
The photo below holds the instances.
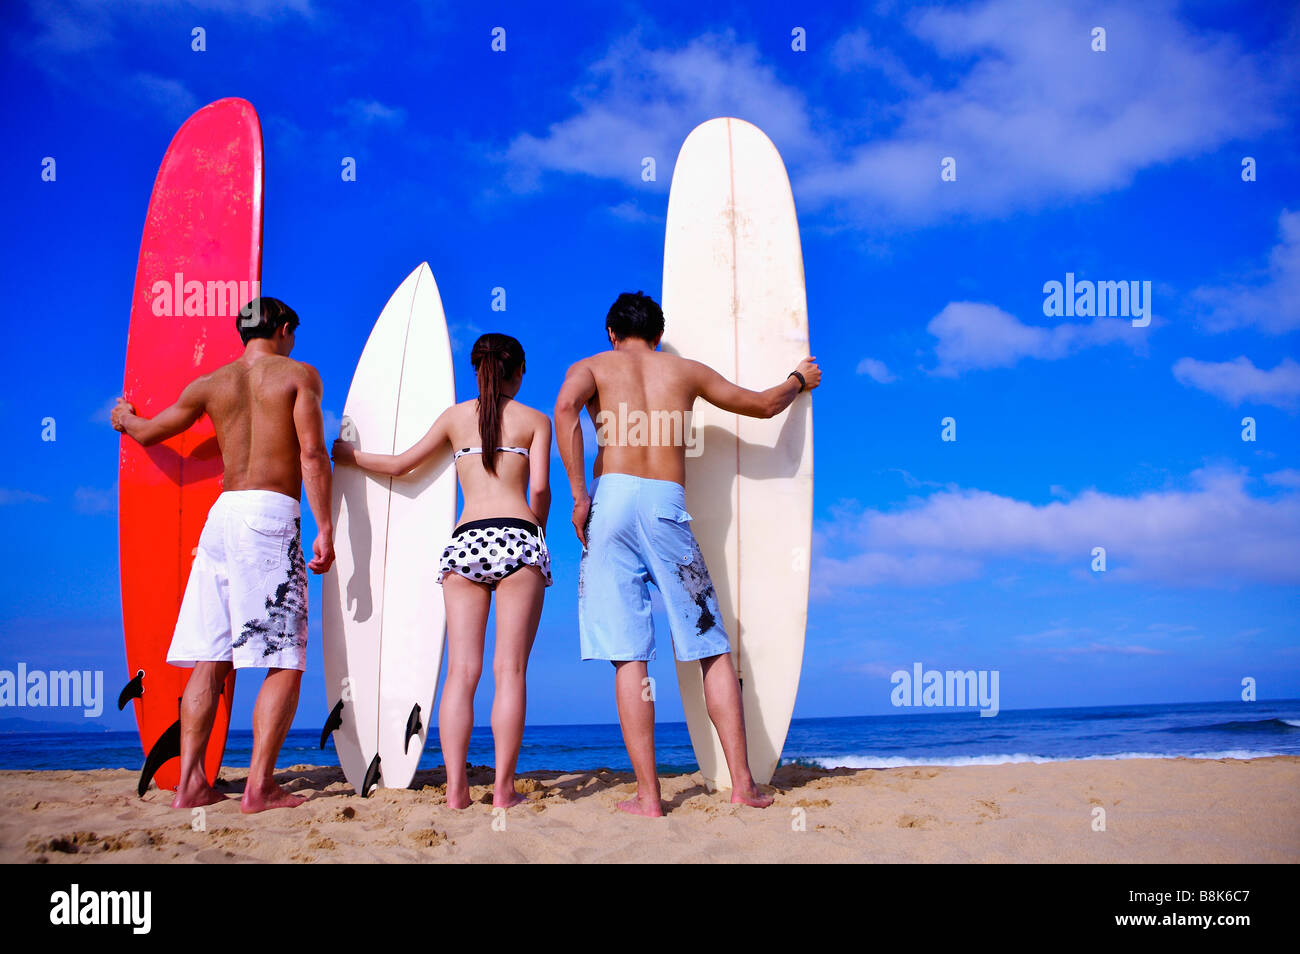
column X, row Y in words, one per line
column 496, row 358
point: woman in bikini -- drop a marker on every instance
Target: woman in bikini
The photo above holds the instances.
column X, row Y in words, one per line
column 502, row 453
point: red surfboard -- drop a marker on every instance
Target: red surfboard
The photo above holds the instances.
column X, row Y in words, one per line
column 200, row 262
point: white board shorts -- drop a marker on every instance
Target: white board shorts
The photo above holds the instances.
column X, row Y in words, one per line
column 246, row 599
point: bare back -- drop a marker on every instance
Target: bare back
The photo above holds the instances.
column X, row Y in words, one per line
column 251, row 402
column 641, row 411
column 506, row 493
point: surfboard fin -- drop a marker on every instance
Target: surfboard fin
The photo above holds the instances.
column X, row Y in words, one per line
column 413, row 726
column 372, row 777
column 132, row 690
column 167, row 747
column 334, row 721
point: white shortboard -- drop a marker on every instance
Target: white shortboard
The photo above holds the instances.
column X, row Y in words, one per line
column 384, row 622
column 733, row 298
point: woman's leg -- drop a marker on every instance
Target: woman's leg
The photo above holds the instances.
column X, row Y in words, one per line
column 467, row 612
column 519, row 608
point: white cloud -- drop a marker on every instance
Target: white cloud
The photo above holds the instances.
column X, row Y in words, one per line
column 1066, row 641
column 1239, row 380
column 629, row 211
column 67, row 30
column 1212, row 534
column 639, row 101
column 832, row 574
column 70, row 27
column 909, row 479
column 875, row 370
column 882, row 670
column 19, row 496
column 1033, row 115
column 463, row 334
column 364, row 122
column 331, row 424
column 1284, row 478
column 1092, row 649
column 1271, row 302
column 104, row 414
column 371, row 112
column 976, row 336
column 74, row 26
column 856, row 51
column 172, row 97
column 95, row 500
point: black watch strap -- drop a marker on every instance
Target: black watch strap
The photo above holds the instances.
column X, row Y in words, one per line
column 803, row 385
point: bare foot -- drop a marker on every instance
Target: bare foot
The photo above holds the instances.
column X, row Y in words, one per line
column 458, row 798
column 263, row 799
column 644, row 807
column 196, row 797
column 508, row 800
column 751, row 796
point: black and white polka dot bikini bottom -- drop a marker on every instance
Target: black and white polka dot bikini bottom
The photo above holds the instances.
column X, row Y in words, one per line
column 487, row 551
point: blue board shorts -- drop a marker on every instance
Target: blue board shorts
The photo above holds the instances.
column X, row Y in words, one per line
column 639, row 532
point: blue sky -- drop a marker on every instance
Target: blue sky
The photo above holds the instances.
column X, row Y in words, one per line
column 522, row 170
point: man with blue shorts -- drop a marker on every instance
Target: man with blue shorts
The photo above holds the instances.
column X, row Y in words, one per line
column 635, row 530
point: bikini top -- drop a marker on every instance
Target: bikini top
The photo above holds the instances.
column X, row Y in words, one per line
column 478, row 450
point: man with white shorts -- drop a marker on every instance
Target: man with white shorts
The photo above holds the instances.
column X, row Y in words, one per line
column 246, row 601
column 245, row 605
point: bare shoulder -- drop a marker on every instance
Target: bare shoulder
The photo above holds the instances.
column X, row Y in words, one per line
column 300, row 372
column 214, row 378
column 526, row 415
column 686, row 367
column 461, row 414
column 207, row 385
column 589, row 363
column 536, row 418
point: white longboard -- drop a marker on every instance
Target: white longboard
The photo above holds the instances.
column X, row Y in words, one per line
column 384, row 621
column 733, row 297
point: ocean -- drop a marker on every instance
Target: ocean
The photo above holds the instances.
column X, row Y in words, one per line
column 1237, row 730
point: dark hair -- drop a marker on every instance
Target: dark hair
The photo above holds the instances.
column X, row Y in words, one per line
column 635, row 316
column 261, row 318
column 496, row 358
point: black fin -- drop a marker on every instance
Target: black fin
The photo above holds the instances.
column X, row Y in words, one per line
column 333, row 722
column 413, row 726
column 132, row 690
column 167, row 747
column 372, row 777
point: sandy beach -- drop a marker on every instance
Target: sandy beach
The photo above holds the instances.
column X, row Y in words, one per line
column 1156, row 810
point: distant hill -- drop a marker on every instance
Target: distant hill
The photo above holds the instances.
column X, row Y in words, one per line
column 11, row 725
